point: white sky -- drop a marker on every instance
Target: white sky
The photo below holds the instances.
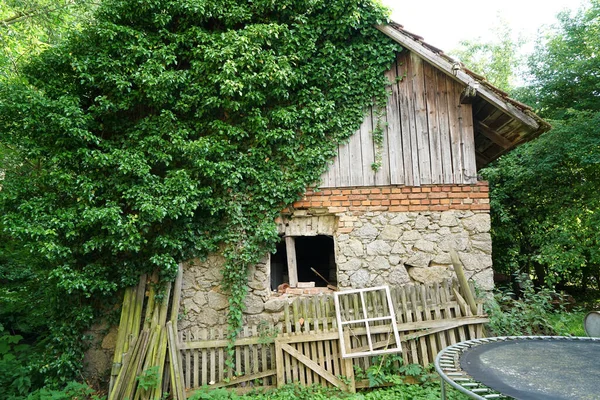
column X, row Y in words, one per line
column 444, row 23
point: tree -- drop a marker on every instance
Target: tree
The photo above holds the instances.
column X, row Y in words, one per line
column 545, row 203
column 27, row 27
column 168, row 129
column 565, row 67
column 497, row 60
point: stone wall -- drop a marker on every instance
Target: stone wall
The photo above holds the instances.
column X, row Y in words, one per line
column 399, row 248
column 382, row 235
column 204, row 304
column 98, row 358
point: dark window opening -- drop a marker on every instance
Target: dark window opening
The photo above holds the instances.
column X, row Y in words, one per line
column 310, row 252
column 279, row 266
column 316, row 252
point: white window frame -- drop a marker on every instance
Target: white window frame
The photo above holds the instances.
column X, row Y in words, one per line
column 346, row 351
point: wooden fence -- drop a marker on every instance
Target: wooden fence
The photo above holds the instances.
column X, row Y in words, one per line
column 304, row 347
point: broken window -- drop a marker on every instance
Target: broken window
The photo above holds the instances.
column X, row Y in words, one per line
column 304, row 259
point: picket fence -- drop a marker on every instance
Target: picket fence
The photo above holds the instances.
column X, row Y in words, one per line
column 305, row 348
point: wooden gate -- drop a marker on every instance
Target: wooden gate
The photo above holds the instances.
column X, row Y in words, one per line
column 313, row 359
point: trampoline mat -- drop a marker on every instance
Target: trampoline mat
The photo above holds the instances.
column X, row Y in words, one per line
column 532, row 369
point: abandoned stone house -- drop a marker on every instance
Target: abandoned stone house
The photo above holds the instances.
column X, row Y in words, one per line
column 360, row 227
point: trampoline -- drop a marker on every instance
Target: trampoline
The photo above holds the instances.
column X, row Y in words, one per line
column 523, row 368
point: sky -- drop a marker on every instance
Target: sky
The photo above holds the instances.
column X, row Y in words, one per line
column 444, row 23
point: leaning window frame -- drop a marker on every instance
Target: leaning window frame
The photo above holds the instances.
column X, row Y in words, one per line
column 366, row 320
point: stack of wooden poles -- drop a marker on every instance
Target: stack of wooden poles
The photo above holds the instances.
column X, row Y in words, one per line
column 147, row 361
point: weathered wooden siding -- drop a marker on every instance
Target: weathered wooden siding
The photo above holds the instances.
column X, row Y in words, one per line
column 428, row 134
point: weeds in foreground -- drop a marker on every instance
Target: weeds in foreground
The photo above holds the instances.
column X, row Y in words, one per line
column 534, row 313
column 402, row 382
column 428, row 391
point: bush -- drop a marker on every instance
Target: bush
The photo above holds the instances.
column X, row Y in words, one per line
column 528, row 315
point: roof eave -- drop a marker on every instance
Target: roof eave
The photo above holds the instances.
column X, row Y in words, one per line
column 531, row 125
column 455, row 71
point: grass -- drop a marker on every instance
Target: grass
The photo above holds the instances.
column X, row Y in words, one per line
column 568, row 323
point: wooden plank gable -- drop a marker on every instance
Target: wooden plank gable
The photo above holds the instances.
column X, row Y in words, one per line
column 427, row 133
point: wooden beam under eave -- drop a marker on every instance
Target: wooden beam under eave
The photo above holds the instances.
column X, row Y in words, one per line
column 458, row 75
column 468, row 95
column 493, row 136
column 481, row 159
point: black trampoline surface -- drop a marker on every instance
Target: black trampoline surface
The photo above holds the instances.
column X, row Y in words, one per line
column 538, row 369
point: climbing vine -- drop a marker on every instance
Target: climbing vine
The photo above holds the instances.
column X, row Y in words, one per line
column 377, row 134
column 169, row 129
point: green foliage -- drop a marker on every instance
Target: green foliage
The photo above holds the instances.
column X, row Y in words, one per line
column 564, row 67
column 545, row 204
column 568, row 323
column 149, row 378
column 390, row 369
column 377, row 135
column 385, row 370
column 28, row 27
column 166, row 130
column 51, row 325
column 72, row 391
column 497, row 60
column 429, row 390
column 21, row 289
column 20, row 373
column 15, row 377
column 213, row 394
column 528, row 315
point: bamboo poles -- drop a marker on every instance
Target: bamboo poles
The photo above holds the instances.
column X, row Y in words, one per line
column 175, row 364
column 143, row 346
column 128, row 330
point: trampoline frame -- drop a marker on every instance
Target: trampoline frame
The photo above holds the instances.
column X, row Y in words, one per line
column 447, row 365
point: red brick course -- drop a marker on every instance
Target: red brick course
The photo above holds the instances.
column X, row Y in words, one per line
column 398, row 199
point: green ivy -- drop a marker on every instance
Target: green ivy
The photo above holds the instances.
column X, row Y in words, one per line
column 169, row 129
column 377, row 135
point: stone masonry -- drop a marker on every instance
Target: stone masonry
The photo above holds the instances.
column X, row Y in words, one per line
column 204, row 304
column 382, row 235
column 400, row 248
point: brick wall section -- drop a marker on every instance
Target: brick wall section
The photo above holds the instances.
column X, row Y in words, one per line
column 399, row 198
column 355, row 201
